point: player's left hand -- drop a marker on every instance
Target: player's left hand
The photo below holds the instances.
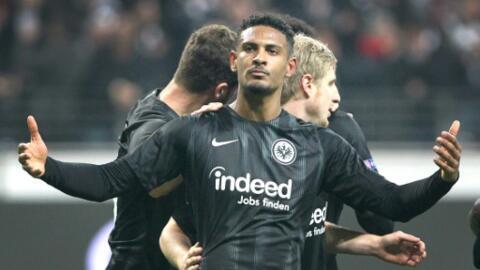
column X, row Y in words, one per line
column 449, row 152
column 401, row 248
column 210, row 107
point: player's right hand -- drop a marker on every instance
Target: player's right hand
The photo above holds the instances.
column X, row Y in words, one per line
column 193, row 258
column 33, row 155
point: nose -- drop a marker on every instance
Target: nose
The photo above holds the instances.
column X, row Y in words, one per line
column 335, row 99
column 260, row 58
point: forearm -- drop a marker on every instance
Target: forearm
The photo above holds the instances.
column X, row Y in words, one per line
column 88, row 181
column 369, row 191
column 174, row 244
column 416, row 197
column 342, row 240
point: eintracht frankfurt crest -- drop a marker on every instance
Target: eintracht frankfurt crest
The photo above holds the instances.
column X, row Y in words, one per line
column 284, row 152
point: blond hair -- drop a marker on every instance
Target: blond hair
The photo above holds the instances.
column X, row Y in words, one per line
column 313, row 57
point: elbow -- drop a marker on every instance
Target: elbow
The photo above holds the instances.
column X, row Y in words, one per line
column 162, row 241
column 402, row 215
column 100, row 199
column 404, row 219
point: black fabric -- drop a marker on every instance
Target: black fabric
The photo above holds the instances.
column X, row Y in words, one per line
column 241, row 227
column 345, row 125
column 250, row 184
column 139, row 218
column 88, row 181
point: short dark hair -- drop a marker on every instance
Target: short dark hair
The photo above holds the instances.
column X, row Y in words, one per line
column 273, row 20
column 204, row 62
column 299, row 26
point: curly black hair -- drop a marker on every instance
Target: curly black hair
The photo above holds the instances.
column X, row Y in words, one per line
column 273, row 20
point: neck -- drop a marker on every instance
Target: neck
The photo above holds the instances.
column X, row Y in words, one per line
column 296, row 107
column 257, row 108
column 180, row 100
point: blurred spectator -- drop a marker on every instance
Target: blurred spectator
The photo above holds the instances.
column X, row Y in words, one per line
column 123, row 95
column 70, row 53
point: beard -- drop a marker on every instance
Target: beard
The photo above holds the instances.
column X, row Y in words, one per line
column 258, row 89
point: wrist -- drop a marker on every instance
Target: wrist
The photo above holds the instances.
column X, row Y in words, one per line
column 373, row 249
column 180, row 262
column 449, row 177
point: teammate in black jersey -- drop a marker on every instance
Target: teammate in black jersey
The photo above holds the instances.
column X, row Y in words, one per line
column 344, row 125
column 203, row 75
column 251, row 171
column 198, row 79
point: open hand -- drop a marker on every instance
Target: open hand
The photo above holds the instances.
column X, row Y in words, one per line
column 401, row 248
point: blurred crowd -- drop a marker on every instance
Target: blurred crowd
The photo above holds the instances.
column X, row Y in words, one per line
column 78, row 65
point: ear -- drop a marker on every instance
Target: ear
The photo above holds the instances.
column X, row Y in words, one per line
column 306, row 85
column 291, row 66
column 221, row 91
column 233, row 61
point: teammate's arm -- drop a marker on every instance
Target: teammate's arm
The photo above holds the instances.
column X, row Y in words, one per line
column 177, row 247
column 101, row 182
column 398, row 247
column 348, row 178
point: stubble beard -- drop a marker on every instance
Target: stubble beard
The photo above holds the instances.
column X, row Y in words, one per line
column 255, row 89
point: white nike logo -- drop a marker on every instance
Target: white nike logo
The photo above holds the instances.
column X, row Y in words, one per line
column 217, row 143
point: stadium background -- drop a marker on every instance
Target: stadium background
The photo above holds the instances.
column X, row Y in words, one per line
column 407, row 68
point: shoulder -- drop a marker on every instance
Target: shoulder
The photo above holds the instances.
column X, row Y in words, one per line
column 343, row 118
column 346, row 126
column 327, row 135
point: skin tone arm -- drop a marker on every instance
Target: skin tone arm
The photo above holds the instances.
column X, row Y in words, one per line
column 178, row 249
column 397, row 248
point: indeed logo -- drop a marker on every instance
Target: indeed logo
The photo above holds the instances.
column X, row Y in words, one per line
column 246, row 184
column 319, row 215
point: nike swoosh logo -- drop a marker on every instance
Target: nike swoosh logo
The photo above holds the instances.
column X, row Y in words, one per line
column 217, row 143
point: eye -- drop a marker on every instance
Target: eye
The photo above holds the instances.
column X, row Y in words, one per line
column 248, row 48
column 273, row 51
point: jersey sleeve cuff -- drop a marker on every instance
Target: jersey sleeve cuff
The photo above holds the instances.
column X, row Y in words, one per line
column 439, row 185
column 51, row 170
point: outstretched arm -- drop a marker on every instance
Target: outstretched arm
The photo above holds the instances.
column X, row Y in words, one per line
column 348, row 178
column 397, row 247
column 81, row 180
column 101, row 182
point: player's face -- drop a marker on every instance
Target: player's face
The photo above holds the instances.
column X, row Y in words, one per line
column 335, row 98
column 262, row 60
column 320, row 104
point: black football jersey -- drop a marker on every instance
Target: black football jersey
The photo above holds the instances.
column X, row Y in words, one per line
column 251, row 184
column 140, row 218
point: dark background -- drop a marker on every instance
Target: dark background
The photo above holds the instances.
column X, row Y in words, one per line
column 45, row 236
